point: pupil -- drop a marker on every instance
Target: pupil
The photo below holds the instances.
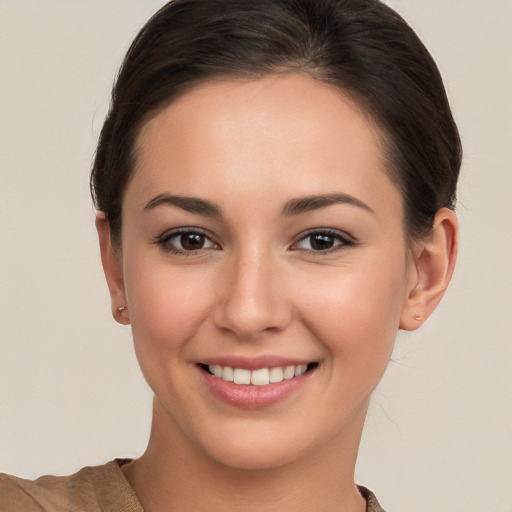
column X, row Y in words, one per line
column 192, row 241
column 322, row 242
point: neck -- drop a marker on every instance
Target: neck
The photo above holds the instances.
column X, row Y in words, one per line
column 173, row 474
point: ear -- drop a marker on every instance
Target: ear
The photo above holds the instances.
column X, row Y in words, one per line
column 434, row 261
column 112, row 266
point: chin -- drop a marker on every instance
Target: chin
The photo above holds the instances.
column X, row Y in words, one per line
column 267, row 446
column 256, row 457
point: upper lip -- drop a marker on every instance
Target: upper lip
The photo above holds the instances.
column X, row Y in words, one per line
column 254, row 363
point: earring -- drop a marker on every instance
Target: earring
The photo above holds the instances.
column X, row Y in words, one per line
column 418, row 318
column 122, row 309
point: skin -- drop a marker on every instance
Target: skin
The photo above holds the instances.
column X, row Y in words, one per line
column 259, row 287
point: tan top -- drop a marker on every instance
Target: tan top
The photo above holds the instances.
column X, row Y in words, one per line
column 92, row 489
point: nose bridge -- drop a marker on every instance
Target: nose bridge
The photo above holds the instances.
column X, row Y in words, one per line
column 253, row 299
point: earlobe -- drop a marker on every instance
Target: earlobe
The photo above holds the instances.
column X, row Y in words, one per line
column 434, row 264
column 112, row 267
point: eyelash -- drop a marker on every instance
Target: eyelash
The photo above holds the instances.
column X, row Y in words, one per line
column 344, row 241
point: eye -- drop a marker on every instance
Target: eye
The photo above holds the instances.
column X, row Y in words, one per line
column 186, row 241
column 323, row 241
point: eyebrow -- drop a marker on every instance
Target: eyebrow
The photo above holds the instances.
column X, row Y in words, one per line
column 316, row 202
column 294, row 206
column 189, row 204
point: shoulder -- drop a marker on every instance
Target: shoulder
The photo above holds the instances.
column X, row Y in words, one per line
column 90, row 489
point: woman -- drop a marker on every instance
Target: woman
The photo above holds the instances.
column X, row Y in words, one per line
column 275, row 184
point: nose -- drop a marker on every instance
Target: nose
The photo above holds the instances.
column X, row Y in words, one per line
column 252, row 298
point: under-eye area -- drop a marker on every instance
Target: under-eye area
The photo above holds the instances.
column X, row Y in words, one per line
column 260, row 376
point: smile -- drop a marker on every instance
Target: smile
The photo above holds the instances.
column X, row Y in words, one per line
column 255, row 383
column 260, row 376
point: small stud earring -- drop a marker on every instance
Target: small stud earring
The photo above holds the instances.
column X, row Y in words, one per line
column 418, row 318
column 121, row 309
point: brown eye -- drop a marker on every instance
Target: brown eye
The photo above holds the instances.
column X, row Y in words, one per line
column 192, row 241
column 323, row 241
column 186, row 241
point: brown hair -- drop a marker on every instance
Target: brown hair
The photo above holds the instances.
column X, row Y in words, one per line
column 362, row 47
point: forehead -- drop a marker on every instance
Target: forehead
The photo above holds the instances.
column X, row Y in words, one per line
column 286, row 132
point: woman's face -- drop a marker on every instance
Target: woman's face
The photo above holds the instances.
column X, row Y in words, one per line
column 261, row 238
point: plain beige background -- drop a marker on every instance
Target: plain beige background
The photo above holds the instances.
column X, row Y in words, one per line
column 439, row 432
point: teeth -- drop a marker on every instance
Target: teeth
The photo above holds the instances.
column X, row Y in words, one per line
column 241, row 376
column 299, row 370
column 289, row 372
column 276, row 374
column 227, row 374
column 259, row 377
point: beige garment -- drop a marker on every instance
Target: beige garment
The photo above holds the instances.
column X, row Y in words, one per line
column 92, row 489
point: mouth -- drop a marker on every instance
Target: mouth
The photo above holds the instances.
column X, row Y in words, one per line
column 260, row 376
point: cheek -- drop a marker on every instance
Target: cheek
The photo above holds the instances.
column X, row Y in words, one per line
column 167, row 306
column 355, row 314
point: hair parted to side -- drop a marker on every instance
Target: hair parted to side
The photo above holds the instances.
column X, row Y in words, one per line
column 362, row 47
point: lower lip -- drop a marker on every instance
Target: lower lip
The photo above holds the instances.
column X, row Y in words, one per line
column 250, row 396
